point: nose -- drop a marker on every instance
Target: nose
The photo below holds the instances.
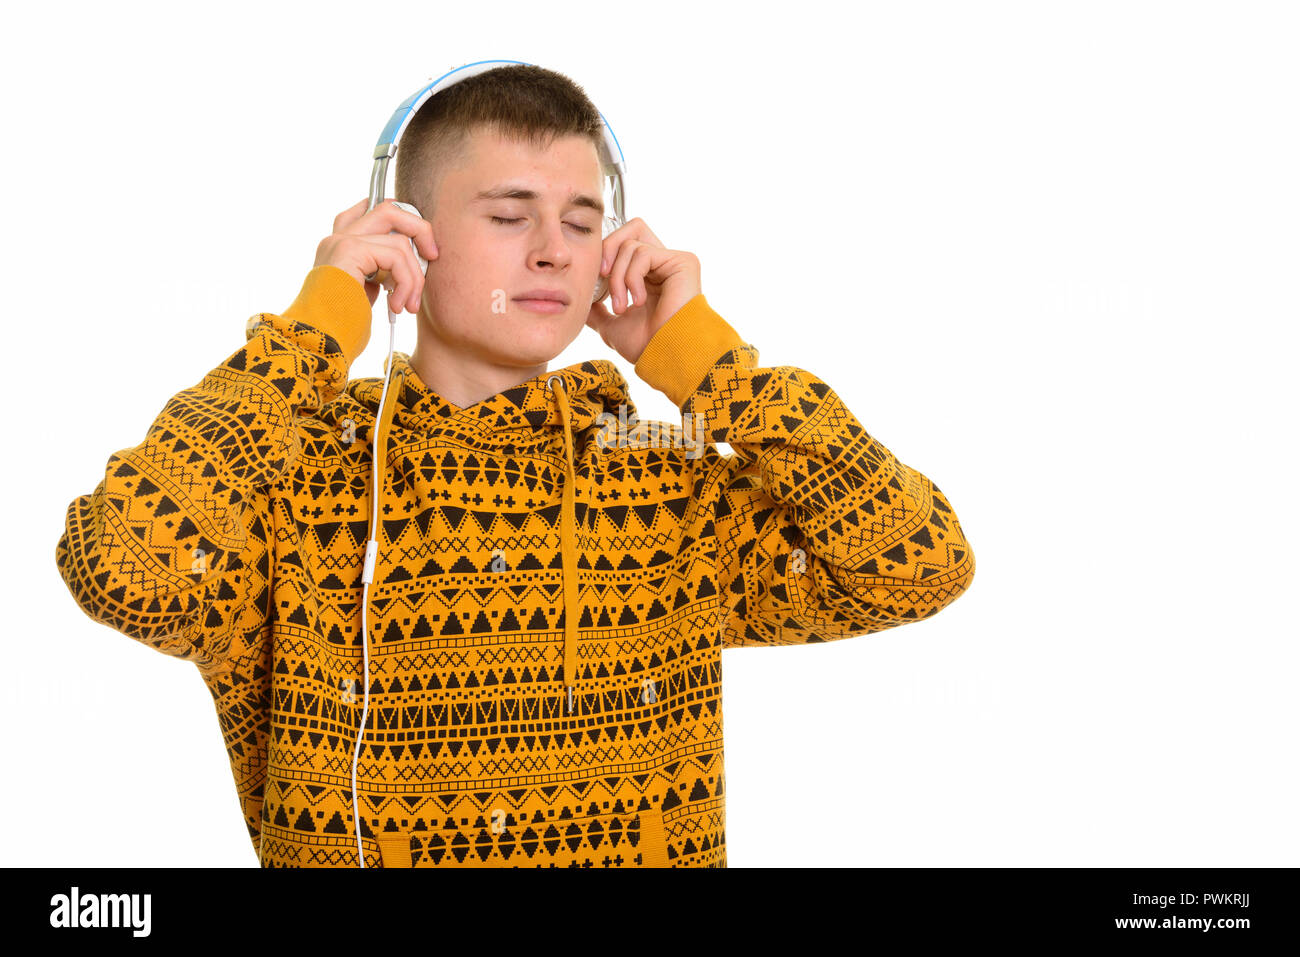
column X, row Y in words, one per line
column 552, row 248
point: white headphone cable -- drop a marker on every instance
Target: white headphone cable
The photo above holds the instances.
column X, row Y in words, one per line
column 367, row 573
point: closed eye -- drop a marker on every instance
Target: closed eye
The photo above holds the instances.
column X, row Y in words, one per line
column 504, row 222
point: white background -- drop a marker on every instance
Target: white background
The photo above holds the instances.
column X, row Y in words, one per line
column 1045, row 252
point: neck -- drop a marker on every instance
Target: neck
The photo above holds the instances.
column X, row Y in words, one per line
column 463, row 380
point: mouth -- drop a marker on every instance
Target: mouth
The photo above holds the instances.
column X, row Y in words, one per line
column 542, row 300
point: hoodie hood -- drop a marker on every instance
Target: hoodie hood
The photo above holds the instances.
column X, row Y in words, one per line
column 528, row 409
column 550, row 413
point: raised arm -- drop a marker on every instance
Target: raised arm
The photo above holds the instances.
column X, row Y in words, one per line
column 172, row 548
column 822, row 533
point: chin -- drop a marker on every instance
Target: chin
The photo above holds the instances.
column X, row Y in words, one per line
column 542, row 338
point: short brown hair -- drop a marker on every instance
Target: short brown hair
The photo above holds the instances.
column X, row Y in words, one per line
column 521, row 102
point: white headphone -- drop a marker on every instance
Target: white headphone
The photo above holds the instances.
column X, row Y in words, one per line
column 613, row 171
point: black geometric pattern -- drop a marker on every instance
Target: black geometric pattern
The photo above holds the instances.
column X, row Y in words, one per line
column 234, row 536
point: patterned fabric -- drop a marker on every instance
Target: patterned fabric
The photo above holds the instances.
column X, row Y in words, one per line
column 234, row 536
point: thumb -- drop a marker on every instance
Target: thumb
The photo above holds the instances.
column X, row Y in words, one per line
column 599, row 316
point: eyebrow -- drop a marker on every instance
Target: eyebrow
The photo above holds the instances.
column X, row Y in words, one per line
column 515, row 192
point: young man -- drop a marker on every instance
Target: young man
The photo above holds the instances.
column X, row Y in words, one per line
column 555, row 581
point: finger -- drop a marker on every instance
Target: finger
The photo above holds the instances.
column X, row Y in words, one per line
column 424, row 239
column 635, row 228
column 617, row 274
column 382, row 218
column 417, row 227
column 389, row 217
column 645, row 235
column 386, row 217
column 423, row 236
column 610, row 246
column 632, row 229
column 598, row 317
column 642, row 263
column 350, row 215
column 416, row 285
column 411, row 277
column 398, row 270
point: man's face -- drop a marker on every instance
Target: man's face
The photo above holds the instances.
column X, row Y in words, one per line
column 493, row 251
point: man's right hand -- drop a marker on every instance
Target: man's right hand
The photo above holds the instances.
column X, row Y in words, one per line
column 366, row 241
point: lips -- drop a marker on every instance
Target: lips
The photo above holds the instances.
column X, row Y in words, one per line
column 554, row 295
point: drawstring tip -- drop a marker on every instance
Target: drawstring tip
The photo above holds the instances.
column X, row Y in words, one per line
column 570, row 699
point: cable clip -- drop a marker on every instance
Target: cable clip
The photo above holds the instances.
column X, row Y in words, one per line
column 368, row 573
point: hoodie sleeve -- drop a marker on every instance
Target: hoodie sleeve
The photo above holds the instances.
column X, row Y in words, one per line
column 173, row 547
column 822, row 533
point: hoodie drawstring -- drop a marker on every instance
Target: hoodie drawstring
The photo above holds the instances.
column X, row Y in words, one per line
column 568, row 519
column 568, row 543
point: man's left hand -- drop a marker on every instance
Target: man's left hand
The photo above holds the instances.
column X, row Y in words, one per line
column 660, row 281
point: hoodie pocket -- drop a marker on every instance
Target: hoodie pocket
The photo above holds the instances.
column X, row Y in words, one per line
column 632, row 839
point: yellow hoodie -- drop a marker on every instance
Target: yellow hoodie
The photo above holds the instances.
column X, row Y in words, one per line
column 552, row 591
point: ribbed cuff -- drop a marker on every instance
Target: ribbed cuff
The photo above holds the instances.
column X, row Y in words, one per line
column 681, row 353
column 333, row 302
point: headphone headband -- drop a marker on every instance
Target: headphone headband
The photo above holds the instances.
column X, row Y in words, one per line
column 611, row 154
